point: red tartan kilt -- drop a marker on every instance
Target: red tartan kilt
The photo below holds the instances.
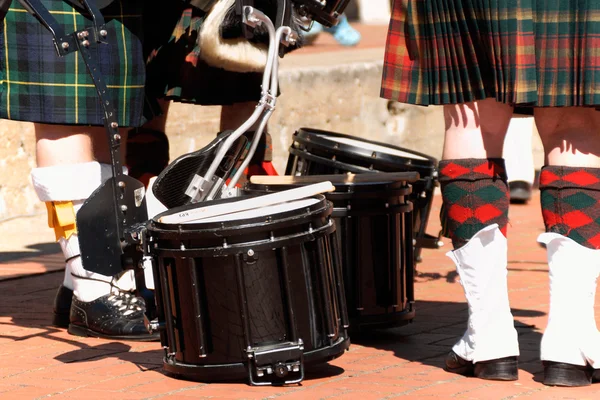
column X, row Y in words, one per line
column 528, row 52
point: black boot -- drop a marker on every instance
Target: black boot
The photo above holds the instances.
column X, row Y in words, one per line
column 501, row 369
column 62, row 307
column 569, row 375
column 114, row 316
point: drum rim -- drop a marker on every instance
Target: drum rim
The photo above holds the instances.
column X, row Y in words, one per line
column 305, row 135
column 321, row 207
column 236, row 249
column 429, row 171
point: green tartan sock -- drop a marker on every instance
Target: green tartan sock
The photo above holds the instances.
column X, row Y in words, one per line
column 475, row 195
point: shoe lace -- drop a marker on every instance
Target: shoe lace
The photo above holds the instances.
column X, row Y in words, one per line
column 125, row 302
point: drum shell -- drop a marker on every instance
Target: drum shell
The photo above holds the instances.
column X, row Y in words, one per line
column 204, row 260
column 374, row 236
column 312, row 155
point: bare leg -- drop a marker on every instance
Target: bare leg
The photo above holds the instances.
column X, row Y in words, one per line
column 476, row 130
column 232, row 116
column 571, row 136
column 64, row 145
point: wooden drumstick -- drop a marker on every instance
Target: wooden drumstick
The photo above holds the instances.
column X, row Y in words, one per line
column 198, row 214
column 340, row 178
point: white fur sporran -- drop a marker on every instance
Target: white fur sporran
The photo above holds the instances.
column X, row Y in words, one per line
column 236, row 55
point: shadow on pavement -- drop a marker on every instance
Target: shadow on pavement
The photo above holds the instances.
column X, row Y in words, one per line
column 39, row 249
column 438, row 325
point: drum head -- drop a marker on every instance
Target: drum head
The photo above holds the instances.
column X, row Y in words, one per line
column 235, row 232
column 379, row 184
column 345, row 148
column 273, row 210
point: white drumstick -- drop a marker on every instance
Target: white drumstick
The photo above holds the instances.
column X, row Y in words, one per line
column 348, row 178
column 197, row 214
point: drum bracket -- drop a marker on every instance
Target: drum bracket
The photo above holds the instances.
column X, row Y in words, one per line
column 278, row 360
column 201, row 189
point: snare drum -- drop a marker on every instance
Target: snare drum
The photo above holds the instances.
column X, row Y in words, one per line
column 316, row 152
column 374, row 235
column 255, row 294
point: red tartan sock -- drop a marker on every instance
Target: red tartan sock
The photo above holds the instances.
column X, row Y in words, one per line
column 475, row 195
column 570, row 198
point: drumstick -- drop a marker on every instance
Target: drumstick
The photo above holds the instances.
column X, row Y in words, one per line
column 340, row 178
column 197, row 214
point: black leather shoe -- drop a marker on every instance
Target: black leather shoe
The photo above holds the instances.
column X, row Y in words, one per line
column 561, row 374
column 520, row 192
column 501, row 369
column 62, row 307
column 114, row 316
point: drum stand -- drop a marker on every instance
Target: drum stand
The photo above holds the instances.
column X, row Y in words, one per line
column 209, row 186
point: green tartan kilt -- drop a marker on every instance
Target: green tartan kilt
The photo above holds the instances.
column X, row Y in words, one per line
column 542, row 53
column 39, row 86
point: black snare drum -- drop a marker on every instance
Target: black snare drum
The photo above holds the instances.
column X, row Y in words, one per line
column 374, row 232
column 316, row 152
column 255, row 294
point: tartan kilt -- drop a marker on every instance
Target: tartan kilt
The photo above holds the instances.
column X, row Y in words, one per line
column 37, row 85
column 176, row 71
column 540, row 53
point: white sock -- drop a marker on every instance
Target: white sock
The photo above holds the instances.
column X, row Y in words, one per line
column 57, row 184
column 518, row 150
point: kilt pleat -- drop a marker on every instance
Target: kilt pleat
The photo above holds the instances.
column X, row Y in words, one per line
column 37, row 85
column 543, row 53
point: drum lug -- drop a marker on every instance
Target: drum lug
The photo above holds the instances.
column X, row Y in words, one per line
column 155, row 326
column 278, row 360
column 250, row 257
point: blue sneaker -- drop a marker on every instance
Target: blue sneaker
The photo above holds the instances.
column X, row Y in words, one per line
column 344, row 33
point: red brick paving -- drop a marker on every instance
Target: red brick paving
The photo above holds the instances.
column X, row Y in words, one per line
column 40, row 361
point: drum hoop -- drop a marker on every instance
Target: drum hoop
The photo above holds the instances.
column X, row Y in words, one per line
column 242, row 230
column 314, row 209
column 240, row 248
column 309, row 136
column 428, row 170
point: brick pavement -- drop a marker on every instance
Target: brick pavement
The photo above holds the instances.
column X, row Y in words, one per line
column 40, row 361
